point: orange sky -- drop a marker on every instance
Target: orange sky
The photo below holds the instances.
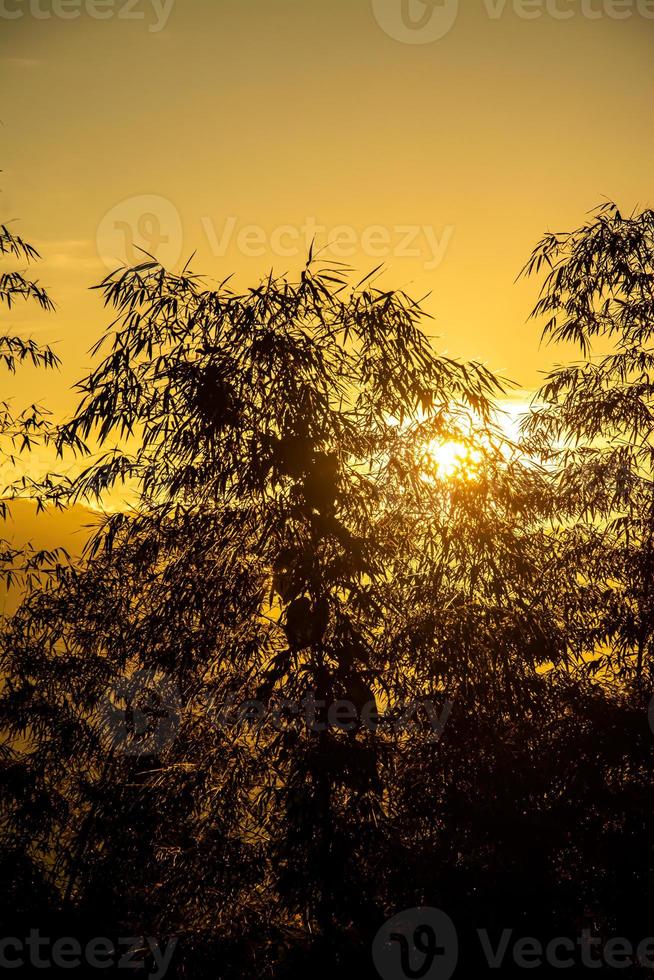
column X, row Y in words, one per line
column 211, row 115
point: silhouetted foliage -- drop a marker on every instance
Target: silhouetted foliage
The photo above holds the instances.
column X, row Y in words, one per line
column 595, row 423
column 294, row 543
column 19, row 433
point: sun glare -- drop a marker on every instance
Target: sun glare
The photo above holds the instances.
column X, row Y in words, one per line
column 452, row 459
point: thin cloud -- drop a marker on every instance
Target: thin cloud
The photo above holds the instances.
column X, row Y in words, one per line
column 72, row 254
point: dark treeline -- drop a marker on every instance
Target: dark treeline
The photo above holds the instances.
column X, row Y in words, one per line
column 487, row 635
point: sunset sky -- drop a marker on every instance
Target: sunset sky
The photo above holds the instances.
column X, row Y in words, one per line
column 326, row 628
column 208, row 116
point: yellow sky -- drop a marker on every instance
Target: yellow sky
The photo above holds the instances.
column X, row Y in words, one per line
column 209, row 116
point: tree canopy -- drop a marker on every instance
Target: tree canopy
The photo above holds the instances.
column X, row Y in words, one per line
column 307, row 679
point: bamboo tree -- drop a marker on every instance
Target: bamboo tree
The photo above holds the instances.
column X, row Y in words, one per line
column 20, row 432
column 595, row 422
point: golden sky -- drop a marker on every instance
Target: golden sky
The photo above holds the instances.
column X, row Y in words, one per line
column 444, row 157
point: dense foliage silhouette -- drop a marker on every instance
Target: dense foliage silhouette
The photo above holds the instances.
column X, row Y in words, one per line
column 293, row 539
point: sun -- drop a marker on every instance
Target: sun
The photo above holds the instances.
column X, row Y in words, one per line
column 447, row 460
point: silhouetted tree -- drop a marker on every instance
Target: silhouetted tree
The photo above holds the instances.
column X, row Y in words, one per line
column 263, row 433
column 20, row 432
column 27, row 884
column 294, row 545
column 595, row 426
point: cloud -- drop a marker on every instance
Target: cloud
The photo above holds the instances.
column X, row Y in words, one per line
column 74, row 255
